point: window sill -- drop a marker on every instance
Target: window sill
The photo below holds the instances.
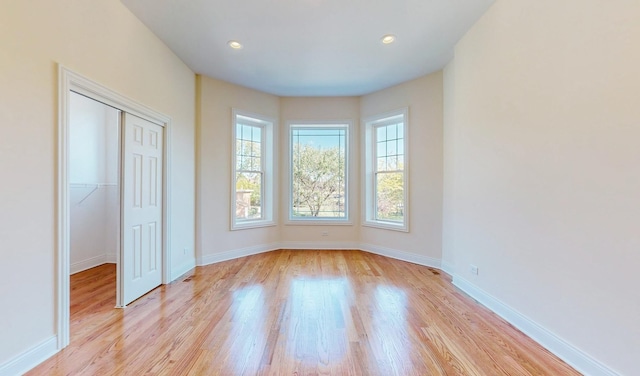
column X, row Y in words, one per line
column 252, row 224
column 318, row 222
column 401, row 227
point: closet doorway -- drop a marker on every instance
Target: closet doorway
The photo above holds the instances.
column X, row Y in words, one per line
column 112, row 191
column 94, row 202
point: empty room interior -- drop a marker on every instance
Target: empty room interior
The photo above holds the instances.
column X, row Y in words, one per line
column 320, row 187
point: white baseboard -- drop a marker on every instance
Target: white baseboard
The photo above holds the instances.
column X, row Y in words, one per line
column 236, row 253
column 79, row 266
column 401, row 255
column 448, row 268
column 320, row 245
column 182, row 269
column 30, row 358
column 575, row 357
column 112, row 258
column 328, row 245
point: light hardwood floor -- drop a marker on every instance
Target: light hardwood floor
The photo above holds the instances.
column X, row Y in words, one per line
column 294, row 313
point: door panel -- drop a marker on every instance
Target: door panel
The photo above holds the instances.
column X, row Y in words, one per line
column 142, row 173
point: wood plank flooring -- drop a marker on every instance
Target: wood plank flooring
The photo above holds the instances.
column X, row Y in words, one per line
column 294, row 313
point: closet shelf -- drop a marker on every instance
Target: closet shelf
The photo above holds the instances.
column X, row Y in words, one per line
column 94, row 187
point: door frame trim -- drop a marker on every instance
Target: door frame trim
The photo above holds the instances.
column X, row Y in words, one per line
column 68, row 81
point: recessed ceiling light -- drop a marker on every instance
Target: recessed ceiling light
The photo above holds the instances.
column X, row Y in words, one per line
column 234, row 44
column 389, row 38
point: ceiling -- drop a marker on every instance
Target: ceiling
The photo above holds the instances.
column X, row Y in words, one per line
column 311, row 47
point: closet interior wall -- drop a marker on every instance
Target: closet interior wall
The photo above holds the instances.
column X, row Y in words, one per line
column 93, row 175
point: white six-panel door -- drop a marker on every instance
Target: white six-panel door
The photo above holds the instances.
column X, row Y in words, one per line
column 141, row 211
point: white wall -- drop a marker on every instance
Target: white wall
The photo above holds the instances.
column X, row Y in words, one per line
column 102, row 40
column 93, row 138
column 93, row 192
column 542, row 168
column 215, row 240
column 306, row 109
column 423, row 96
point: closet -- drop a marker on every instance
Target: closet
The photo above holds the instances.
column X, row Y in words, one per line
column 94, row 208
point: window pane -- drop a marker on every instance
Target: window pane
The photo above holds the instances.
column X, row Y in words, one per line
column 256, row 134
column 382, row 148
column 392, row 132
column 248, row 148
column 249, row 174
column 390, row 196
column 254, row 151
column 381, row 134
column 389, row 148
column 382, row 164
column 239, row 156
column 248, row 196
column 392, row 163
column 392, row 147
column 385, row 172
column 318, row 172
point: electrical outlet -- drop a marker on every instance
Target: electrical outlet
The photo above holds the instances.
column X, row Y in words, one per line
column 473, row 269
column 324, row 233
column 184, row 251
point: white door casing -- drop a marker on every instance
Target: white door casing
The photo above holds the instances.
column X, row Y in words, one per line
column 71, row 81
column 142, row 209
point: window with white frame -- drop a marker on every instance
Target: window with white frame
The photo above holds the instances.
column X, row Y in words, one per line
column 386, row 171
column 252, row 186
column 318, row 171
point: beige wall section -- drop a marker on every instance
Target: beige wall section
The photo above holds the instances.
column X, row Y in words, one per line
column 423, row 96
column 216, row 101
column 310, row 109
column 543, row 177
column 448, row 241
column 102, row 40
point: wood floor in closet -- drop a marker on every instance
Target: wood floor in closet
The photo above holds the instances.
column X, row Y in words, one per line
column 294, row 313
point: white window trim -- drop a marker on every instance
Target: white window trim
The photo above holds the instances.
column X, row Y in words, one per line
column 368, row 160
column 346, row 221
column 268, row 197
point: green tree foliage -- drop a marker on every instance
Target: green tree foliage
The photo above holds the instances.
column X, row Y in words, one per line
column 248, row 165
column 250, row 182
column 318, row 180
column 390, row 196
